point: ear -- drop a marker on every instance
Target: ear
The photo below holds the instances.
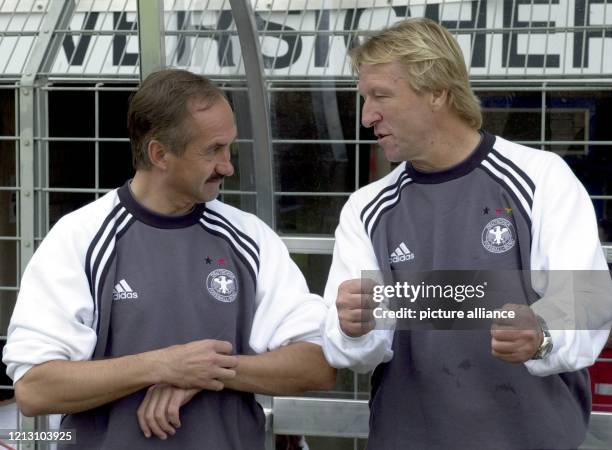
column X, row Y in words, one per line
column 438, row 99
column 158, row 154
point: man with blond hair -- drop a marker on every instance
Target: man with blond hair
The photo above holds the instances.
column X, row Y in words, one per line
column 460, row 199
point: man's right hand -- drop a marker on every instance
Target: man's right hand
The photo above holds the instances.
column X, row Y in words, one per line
column 158, row 414
column 355, row 306
column 199, row 364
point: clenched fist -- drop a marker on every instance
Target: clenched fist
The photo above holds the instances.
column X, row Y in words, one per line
column 355, row 306
column 516, row 340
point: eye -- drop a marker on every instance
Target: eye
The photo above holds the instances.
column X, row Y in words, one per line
column 213, row 150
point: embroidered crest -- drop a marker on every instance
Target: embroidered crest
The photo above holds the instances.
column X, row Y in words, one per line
column 498, row 235
column 222, row 285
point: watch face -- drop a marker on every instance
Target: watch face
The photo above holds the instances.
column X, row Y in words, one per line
column 547, row 344
column 544, row 349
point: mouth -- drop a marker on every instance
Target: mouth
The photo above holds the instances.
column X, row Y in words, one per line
column 215, row 179
column 381, row 137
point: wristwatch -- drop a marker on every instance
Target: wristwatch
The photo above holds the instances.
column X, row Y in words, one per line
column 547, row 343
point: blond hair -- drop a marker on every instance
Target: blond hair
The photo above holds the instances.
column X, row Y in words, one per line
column 432, row 61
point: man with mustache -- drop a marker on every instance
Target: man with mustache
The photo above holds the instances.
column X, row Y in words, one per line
column 157, row 311
column 462, row 199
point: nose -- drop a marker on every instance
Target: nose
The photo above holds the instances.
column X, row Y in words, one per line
column 369, row 114
column 224, row 164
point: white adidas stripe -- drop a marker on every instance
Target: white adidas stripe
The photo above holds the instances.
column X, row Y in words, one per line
column 401, row 250
column 245, row 242
column 237, row 245
column 125, row 286
column 516, row 176
column 510, row 183
column 108, row 252
column 106, row 257
column 94, row 255
column 384, row 204
column 107, row 230
column 371, row 209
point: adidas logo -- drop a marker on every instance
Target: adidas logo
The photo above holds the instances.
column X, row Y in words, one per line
column 123, row 291
column 401, row 254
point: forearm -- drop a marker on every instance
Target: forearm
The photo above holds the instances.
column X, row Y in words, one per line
column 75, row 386
column 289, row 370
column 572, row 350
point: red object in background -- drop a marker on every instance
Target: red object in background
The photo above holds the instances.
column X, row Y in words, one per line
column 601, row 381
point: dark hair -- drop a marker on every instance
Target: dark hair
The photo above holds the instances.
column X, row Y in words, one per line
column 158, row 110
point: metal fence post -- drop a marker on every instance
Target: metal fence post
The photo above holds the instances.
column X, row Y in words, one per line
column 42, row 53
column 152, row 48
column 258, row 108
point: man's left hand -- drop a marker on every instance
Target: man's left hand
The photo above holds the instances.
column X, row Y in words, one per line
column 158, row 414
column 516, row 340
